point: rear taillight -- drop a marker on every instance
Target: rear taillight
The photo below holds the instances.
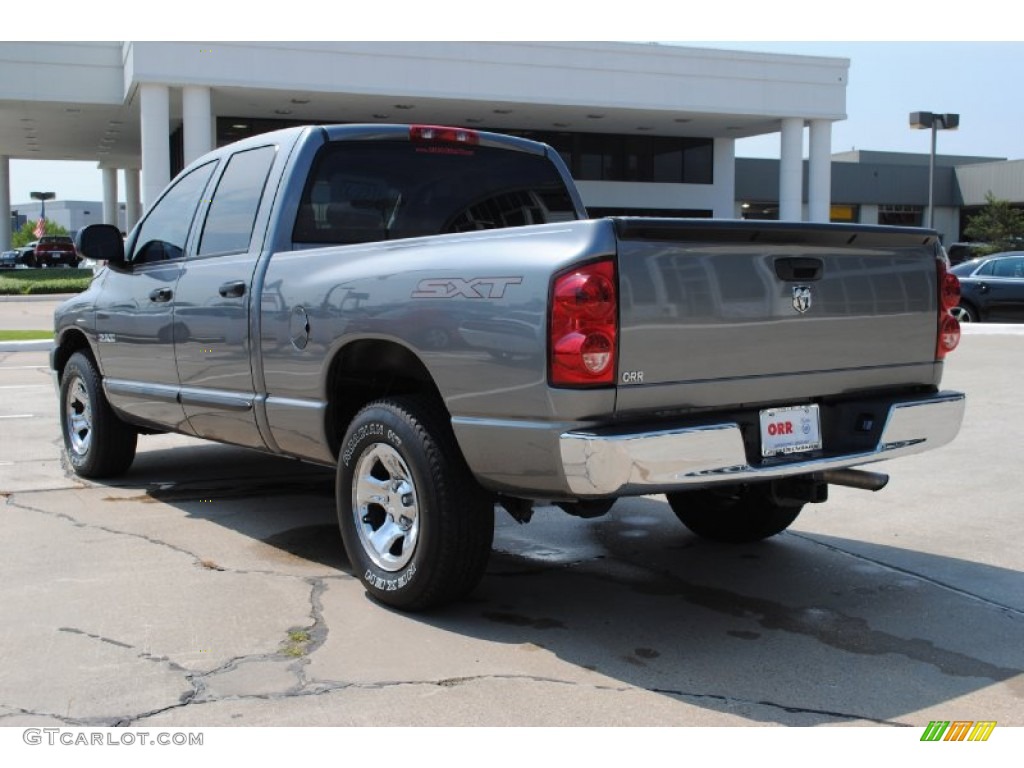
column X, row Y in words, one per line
column 583, row 329
column 949, row 326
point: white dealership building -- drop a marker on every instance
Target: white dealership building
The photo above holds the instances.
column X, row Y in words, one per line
column 647, row 128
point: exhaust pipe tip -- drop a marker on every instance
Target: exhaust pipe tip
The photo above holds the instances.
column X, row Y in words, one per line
column 856, row 478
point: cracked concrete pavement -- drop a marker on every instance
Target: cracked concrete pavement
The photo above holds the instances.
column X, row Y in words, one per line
column 208, row 587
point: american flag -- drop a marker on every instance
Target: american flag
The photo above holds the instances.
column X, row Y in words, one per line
column 40, row 229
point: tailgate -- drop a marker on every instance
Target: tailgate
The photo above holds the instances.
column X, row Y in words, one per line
column 724, row 313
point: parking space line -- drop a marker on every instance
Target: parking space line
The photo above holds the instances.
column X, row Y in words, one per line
column 19, row 416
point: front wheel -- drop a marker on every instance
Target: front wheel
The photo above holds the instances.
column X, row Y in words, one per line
column 734, row 514
column 416, row 526
column 964, row 313
column 97, row 442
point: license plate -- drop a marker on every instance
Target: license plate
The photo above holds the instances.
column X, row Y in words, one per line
column 790, row 430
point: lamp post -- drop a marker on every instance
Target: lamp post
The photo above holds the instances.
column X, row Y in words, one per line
column 42, row 197
column 935, row 121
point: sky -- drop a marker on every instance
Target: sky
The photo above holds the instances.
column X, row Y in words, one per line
column 889, row 78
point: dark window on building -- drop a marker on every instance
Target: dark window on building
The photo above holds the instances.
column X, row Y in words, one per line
column 177, row 150
column 667, row 160
column 699, row 161
column 760, row 211
column 165, row 229
column 901, row 215
column 671, row 213
column 232, row 213
column 604, row 157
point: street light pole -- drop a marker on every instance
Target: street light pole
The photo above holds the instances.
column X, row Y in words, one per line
column 934, row 121
column 42, row 197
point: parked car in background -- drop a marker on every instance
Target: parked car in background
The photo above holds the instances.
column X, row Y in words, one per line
column 9, row 259
column 991, row 288
column 961, row 252
column 53, row 250
column 26, row 253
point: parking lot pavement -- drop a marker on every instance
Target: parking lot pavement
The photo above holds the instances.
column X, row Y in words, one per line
column 208, row 587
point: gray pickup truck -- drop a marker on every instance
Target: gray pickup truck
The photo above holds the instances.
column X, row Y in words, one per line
column 429, row 311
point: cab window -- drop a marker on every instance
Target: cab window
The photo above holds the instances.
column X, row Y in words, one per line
column 165, row 229
column 232, row 214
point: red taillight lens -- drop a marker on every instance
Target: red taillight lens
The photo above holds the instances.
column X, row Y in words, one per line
column 583, row 329
column 443, row 134
column 949, row 326
column 949, row 336
column 949, row 289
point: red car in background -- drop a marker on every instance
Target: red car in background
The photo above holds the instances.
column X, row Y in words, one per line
column 53, row 250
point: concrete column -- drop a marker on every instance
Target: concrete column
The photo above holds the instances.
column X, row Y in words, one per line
column 724, row 204
column 5, row 203
column 197, row 116
column 110, row 196
column 132, row 204
column 155, row 106
column 791, row 170
column 819, row 174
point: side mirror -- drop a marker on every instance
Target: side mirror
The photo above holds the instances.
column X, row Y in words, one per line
column 101, row 242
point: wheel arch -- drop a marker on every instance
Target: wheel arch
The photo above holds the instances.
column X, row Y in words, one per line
column 71, row 341
column 366, row 370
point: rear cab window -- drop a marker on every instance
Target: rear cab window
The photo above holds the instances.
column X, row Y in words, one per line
column 367, row 191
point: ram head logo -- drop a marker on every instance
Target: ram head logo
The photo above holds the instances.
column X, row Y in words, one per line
column 801, row 298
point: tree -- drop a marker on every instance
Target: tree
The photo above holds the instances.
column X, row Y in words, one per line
column 27, row 233
column 997, row 224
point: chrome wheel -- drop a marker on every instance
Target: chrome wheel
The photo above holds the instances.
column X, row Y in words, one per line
column 78, row 417
column 962, row 314
column 385, row 507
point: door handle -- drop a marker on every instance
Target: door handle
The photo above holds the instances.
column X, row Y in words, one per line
column 161, row 294
column 232, row 290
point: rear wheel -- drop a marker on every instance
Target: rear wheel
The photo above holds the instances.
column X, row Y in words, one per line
column 416, row 526
column 97, row 442
column 734, row 514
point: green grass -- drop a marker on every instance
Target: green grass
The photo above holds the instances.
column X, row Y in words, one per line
column 25, row 335
column 295, row 645
column 23, row 282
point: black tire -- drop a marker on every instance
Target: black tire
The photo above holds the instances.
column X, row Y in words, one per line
column 97, row 442
column 734, row 514
column 399, row 456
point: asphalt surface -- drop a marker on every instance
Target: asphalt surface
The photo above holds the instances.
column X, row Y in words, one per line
column 208, row 587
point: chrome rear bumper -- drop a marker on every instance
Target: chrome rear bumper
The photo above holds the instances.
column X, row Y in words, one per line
column 652, row 462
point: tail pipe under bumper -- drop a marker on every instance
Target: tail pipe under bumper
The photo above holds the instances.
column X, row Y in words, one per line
column 854, row 478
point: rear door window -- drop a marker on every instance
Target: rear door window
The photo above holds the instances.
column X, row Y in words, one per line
column 232, row 212
column 1009, row 268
